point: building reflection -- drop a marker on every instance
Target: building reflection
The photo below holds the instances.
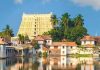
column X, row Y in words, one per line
column 50, row 63
column 87, row 63
column 69, row 63
column 19, row 64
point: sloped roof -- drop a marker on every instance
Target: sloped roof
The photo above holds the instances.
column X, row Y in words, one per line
column 2, row 41
column 43, row 37
column 88, row 38
column 97, row 39
column 47, row 37
column 39, row 38
column 64, row 43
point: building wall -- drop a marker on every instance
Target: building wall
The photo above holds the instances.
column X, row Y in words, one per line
column 63, row 50
column 63, row 61
column 72, row 50
column 2, row 51
column 86, row 51
column 40, row 42
column 87, row 42
column 48, row 42
column 35, row 24
column 10, row 52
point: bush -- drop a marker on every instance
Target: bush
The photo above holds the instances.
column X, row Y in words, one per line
column 40, row 54
column 44, row 54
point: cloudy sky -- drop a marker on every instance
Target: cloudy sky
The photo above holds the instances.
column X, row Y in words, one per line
column 11, row 11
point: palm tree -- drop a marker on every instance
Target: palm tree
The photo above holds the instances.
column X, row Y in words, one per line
column 79, row 21
column 21, row 39
column 65, row 22
column 54, row 20
column 35, row 44
column 26, row 38
column 7, row 33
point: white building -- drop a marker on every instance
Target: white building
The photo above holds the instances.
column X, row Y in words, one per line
column 2, row 48
column 88, row 40
column 62, row 63
column 6, row 51
column 55, row 48
column 63, row 48
column 44, row 41
column 88, row 43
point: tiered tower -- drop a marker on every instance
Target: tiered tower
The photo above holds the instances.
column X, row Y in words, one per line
column 35, row 24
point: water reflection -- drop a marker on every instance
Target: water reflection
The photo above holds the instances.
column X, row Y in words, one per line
column 50, row 63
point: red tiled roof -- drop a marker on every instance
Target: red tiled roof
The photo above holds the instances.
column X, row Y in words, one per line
column 66, row 43
column 39, row 38
column 86, row 38
column 2, row 41
column 47, row 37
column 97, row 39
column 43, row 37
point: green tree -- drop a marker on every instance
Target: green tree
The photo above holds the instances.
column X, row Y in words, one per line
column 21, row 39
column 70, row 29
column 8, row 31
column 65, row 23
column 79, row 21
column 77, row 33
column 35, row 44
column 26, row 38
column 54, row 20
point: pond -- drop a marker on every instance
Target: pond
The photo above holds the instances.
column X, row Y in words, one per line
column 50, row 63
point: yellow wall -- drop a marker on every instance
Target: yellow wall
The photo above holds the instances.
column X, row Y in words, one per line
column 35, row 23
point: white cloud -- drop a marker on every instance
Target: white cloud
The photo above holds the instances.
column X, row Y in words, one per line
column 95, row 4
column 18, row 1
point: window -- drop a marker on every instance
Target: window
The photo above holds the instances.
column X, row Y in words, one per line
column 63, row 47
column 48, row 41
column 35, row 25
column 63, row 64
column 34, row 33
column 35, row 29
column 71, row 64
column 63, row 58
column 84, row 42
column 63, row 52
column 71, row 47
column 55, row 47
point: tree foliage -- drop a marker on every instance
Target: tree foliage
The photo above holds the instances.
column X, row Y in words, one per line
column 7, row 33
column 35, row 44
column 71, row 29
column 23, row 39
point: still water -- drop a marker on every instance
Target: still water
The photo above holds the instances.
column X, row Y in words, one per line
column 50, row 63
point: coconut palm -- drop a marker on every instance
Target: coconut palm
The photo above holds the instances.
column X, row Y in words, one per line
column 8, row 31
column 54, row 20
column 65, row 22
column 79, row 21
column 21, row 39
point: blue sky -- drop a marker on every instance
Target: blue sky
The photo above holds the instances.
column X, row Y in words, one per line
column 11, row 11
